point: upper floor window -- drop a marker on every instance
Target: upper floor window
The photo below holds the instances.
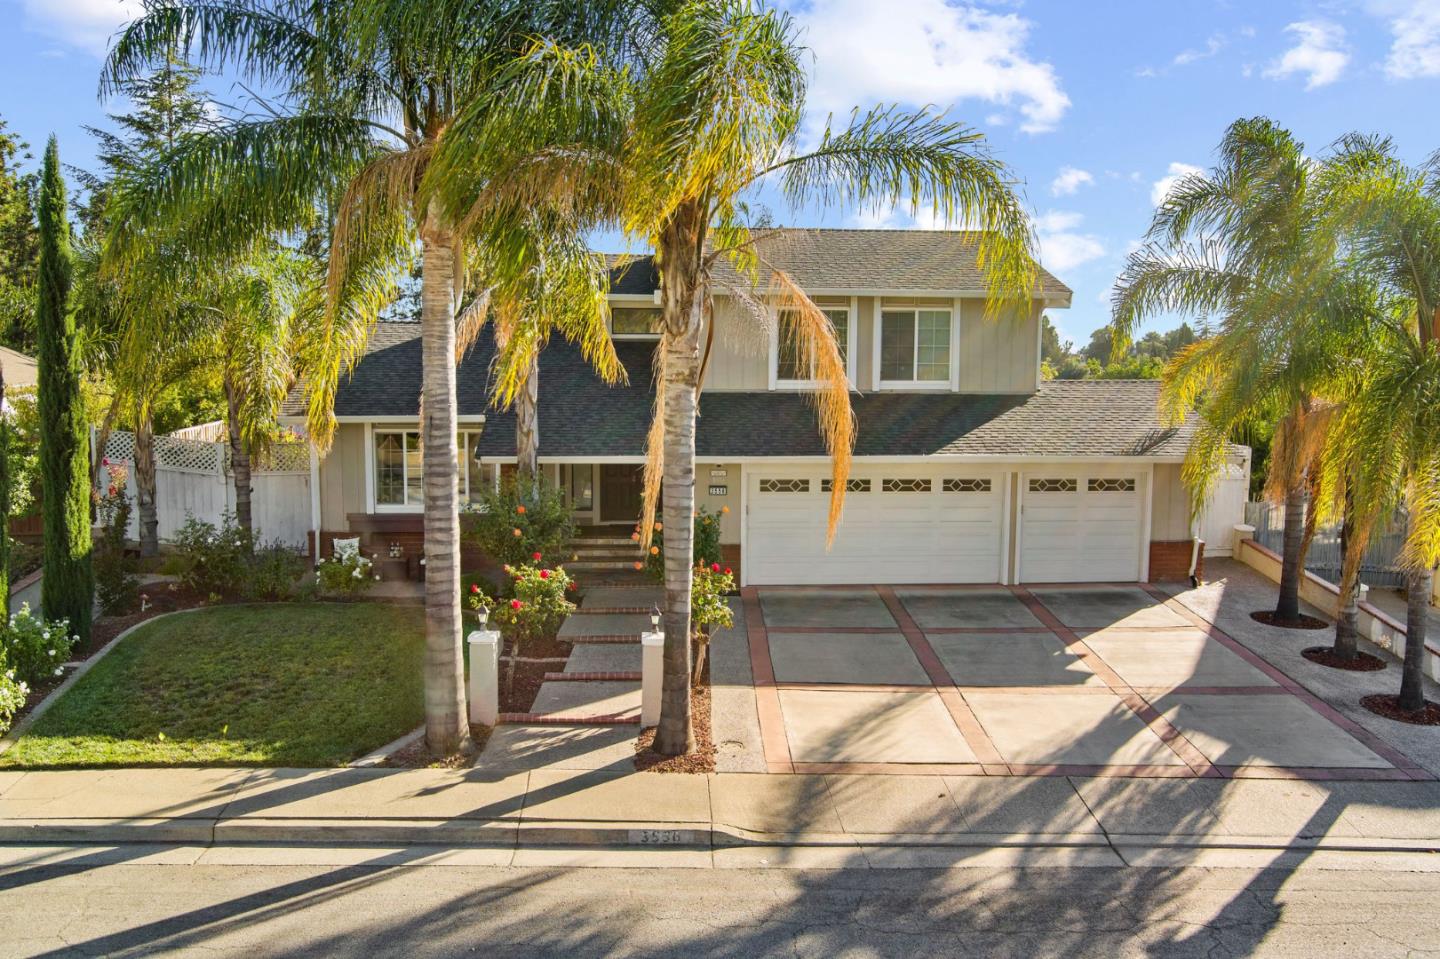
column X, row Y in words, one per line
column 915, row 346
column 635, row 320
column 789, row 366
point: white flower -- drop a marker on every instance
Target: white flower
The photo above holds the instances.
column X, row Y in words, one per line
column 52, row 652
column 320, row 561
column 45, row 634
column 75, row 638
column 377, row 577
column 356, row 574
column 58, row 670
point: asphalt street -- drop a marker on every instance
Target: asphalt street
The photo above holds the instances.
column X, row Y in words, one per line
column 146, row 908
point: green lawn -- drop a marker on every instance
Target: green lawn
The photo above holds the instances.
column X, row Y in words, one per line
column 263, row 685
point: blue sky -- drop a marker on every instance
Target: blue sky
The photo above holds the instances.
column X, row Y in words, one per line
column 1094, row 104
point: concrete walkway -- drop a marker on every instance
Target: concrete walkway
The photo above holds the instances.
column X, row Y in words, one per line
column 826, row 818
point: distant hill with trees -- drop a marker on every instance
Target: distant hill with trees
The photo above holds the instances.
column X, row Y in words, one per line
column 1145, row 360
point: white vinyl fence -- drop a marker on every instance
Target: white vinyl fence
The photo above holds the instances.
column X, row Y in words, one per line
column 192, row 478
column 1225, row 508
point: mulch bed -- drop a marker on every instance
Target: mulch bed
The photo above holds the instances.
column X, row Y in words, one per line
column 1269, row 618
column 1384, row 704
column 417, row 756
column 702, row 758
column 1326, row 656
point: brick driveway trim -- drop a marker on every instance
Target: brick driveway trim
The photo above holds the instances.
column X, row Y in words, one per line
column 1138, row 699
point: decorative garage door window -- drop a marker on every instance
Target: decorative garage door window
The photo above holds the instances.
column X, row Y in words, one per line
column 1112, row 486
column 966, row 486
column 851, row 485
column 1053, row 486
column 784, row 486
column 905, row 486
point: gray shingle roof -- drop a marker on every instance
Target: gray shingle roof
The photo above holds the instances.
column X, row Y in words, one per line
column 921, row 260
column 862, row 260
column 581, row 416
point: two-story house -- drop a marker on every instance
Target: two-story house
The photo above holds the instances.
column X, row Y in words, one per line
column 968, row 467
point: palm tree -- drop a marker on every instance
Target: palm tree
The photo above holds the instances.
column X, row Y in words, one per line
column 1390, row 215
column 368, row 94
column 670, row 146
column 1243, row 242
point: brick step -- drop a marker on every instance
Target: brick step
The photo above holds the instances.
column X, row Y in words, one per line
column 586, row 542
column 614, row 638
column 616, row 610
column 601, row 564
column 601, row 677
column 557, row 719
column 594, row 555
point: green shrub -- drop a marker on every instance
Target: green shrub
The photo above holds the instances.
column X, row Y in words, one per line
column 274, row 573
column 213, row 559
column 709, row 609
column 33, row 648
column 223, row 562
column 13, row 694
column 520, row 519
column 116, row 585
column 706, row 545
column 25, row 558
column 539, row 602
column 347, row 576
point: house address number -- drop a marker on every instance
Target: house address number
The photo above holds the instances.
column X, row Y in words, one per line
column 660, row 837
column 719, row 490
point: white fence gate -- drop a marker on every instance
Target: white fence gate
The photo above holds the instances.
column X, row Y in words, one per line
column 192, row 478
column 1225, row 508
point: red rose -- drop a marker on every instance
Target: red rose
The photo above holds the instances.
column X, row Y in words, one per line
column 474, row 588
column 727, row 570
column 714, row 567
column 516, row 604
column 535, row 557
column 544, row 574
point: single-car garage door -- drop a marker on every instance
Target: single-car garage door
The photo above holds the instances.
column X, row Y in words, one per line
column 1079, row 527
column 902, row 524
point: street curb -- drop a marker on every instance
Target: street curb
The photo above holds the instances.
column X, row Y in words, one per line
column 596, row 835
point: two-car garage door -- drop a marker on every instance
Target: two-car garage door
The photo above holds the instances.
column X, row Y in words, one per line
column 908, row 523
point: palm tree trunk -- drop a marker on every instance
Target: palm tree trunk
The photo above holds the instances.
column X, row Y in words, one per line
column 145, row 508
column 527, row 423
column 1347, row 624
column 1287, row 607
column 1419, row 586
column 239, row 462
column 674, row 735
column 447, row 726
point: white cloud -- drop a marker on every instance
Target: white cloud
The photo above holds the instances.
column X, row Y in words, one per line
column 926, row 51
column 1062, row 246
column 1415, row 25
column 1320, row 53
column 86, row 24
column 1161, row 188
column 1213, row 45
column 1069, row 180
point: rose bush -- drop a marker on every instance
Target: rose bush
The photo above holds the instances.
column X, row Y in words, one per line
column 705, row 549
column 709, row 609
column 513, row 523
column 346, row 576
column 35, row 648
column 538, row 604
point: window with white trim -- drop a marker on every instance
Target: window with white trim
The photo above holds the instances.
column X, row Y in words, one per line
column 788, row 359
column 915, row 345
column 399, row 469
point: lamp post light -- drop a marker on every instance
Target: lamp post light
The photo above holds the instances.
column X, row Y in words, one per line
column 655, row 618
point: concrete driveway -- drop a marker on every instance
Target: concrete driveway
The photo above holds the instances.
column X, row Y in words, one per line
column 1064, row 680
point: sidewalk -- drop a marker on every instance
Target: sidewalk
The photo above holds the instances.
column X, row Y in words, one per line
column 833, row 819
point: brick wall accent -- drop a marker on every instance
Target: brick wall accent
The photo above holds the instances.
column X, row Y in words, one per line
column 1170, row 561
column 730, row 553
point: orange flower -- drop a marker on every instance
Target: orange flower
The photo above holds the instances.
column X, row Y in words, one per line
column 520, row 509
column 654, row 551
column 635, row 537
column 724, row 509
column 659, row 527
column 639, row 565
column 516, row 533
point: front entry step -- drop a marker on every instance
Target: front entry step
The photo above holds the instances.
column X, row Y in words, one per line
column 545, row 719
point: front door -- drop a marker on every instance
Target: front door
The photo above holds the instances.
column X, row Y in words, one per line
column 621, row 487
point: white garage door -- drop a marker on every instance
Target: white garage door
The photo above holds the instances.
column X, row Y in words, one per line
column 902, row 524
column 1079, row 527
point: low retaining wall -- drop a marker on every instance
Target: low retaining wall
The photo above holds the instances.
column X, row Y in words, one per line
column 1375, row 625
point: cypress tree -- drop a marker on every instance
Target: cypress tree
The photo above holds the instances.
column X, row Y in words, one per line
column 67, row 589
column 4, row 503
